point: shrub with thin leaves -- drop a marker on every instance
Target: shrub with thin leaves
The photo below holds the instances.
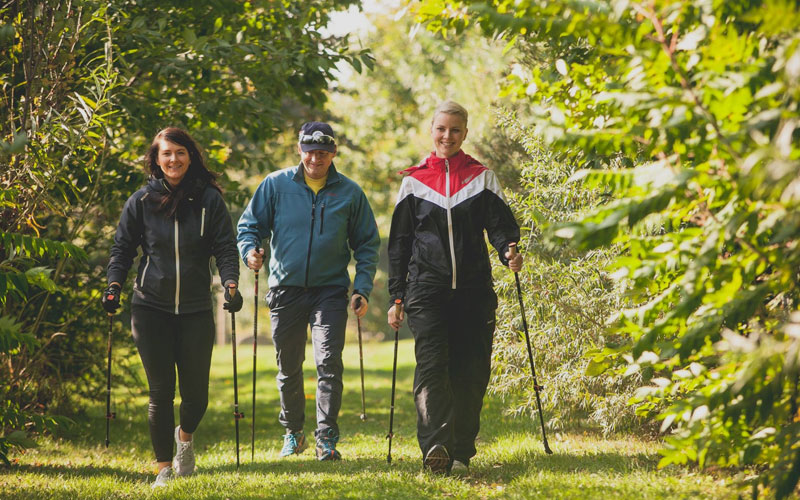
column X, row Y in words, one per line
column 567, row 296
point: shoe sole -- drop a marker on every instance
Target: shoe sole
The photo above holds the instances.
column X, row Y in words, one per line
column 328, row 457
column 437, row 459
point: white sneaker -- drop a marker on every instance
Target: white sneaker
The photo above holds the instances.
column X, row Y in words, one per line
column 183, row 463
column 459, row 468
column 163, row 478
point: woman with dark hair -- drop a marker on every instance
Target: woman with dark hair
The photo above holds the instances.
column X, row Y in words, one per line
column 180, row 221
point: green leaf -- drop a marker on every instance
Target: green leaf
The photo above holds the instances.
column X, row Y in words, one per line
column 20, row 439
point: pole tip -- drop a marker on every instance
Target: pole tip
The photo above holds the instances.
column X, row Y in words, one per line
column 547, row 449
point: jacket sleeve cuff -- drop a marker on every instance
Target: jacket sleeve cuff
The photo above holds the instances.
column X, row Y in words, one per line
column 394, row 297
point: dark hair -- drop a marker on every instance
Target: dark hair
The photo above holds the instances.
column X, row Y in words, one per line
column 197, row 177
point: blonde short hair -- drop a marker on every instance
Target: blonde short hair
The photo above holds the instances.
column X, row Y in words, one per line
column 451, row 108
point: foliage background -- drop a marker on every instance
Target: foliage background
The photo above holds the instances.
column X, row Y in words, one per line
column 85, row 85
column 685, row 113
column 648, row 149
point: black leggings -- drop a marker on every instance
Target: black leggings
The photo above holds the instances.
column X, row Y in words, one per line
column 164, row 341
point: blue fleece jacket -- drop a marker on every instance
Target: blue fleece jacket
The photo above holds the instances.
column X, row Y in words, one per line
column 311, row 236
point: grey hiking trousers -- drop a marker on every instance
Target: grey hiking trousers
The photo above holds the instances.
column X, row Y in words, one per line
column 292, row 310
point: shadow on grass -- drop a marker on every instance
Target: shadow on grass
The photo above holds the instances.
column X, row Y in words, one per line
column 82, row 471
column 216, row 432
column 528, row 461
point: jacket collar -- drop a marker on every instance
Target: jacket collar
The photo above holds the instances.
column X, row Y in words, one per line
column 455, row 161
column 458, row 160
column 159, row 186
column 333, row 175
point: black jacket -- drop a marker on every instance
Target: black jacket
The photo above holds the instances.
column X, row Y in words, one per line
column 437, row 234
column 174, row 272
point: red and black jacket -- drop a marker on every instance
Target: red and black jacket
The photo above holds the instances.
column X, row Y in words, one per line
column 437, row 238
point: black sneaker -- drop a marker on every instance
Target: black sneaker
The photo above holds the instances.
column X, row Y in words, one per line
column 436, row 459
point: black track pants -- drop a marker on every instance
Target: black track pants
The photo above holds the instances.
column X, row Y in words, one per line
column 453, row 332
column 166, row 341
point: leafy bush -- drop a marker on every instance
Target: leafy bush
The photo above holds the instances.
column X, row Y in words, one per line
column 699, row 100
column 85, row 85
column 567, row 296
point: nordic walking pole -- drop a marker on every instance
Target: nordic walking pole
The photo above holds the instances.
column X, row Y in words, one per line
column 255, row 336
column 512, row 248
column 361, row 362
column 109, row 413
column 398, row 310
column 236, row 414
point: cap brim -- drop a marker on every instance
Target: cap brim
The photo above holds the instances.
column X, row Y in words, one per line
column 317, row 147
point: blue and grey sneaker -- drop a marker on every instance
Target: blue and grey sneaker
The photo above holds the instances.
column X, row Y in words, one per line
column 294, row 443
column 326, row 445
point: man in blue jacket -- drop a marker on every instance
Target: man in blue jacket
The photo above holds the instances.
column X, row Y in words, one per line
column 314, row 216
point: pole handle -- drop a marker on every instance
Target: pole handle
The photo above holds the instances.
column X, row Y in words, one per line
column 398, row 308
column 512, row 248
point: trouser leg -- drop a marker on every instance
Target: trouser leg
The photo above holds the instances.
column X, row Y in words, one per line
column 289, row 312
column 195, row 343
column 427, row 318
column 470, row 366
column 328, row 320
column 154, row 335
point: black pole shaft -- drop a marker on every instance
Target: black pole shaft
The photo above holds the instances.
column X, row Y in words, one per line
column 236, row 414
column 391, row 410
column 361, row 364
column 255, row 337
column 109, row 415
column 536, row 386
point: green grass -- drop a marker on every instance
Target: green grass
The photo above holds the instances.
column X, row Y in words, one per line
column 510, row 462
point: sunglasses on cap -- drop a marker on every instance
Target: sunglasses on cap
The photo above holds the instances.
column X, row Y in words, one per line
column 316, row 138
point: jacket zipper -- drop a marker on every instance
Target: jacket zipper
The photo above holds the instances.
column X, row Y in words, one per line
column 202, row 221
column 144, row 272
column 450, row 220
column 321, row 217
column 310, row 237
column 177, row 269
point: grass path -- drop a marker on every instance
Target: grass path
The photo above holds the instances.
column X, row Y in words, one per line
column 510, row 462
